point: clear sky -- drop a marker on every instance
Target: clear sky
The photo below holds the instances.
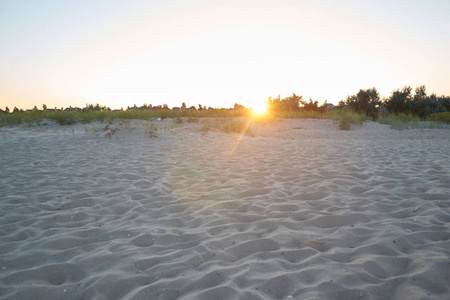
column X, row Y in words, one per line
column 217, row 53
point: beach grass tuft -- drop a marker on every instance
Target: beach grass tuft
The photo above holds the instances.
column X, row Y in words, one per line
column 178, row 120
column 152, row 130
column 346, row 118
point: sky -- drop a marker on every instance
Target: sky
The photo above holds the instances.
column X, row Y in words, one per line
column 216, row 53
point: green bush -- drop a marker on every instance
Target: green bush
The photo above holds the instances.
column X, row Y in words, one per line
column 443, row 117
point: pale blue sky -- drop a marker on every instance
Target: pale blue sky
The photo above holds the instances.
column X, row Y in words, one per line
column 216, row 53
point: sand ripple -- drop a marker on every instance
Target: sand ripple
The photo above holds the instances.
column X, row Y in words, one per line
column 315, row 213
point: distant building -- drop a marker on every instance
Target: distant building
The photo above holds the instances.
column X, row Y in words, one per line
column 329, row 107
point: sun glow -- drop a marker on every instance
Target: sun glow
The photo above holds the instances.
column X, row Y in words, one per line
column 260, row 109
column 224, row 66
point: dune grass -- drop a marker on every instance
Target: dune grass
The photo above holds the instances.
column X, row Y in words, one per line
column 72, row 117
column 405, row 122
column 344, row 118
column 31, row 118
column 400, row 121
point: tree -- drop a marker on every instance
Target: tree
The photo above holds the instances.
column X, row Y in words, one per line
column 165, row 106
column 44, row 107
column 309, row 106
column 183, row 105
column 273, row 104
column 421, row 105
column 291, row 103
column 400, row 101
column 239, row 106
column 200, row 107
column 421, row 93
column 365, row 102
column 16, row 109
column 7, row 110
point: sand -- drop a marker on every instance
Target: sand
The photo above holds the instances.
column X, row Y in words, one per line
column 300, row 210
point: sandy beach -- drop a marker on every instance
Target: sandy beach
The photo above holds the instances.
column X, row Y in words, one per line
column 158, row 210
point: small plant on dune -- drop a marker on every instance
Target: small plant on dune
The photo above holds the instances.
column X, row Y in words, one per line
column 344, row 124
column 240, row 126
column 192, row 120
column 153, row 130
column 111, row 132
column 208, row 125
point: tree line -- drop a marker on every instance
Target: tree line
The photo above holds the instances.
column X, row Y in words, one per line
column 368, row 101
column 295, row 103
column 401, row 101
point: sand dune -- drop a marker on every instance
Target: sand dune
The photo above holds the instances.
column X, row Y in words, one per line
column 301, row 210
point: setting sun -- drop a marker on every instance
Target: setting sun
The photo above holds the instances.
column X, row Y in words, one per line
column 260, row 109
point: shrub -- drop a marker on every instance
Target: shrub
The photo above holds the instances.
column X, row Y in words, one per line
column 346, row 118
column 65, row 118
column 443, row 117
column 344, row 124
